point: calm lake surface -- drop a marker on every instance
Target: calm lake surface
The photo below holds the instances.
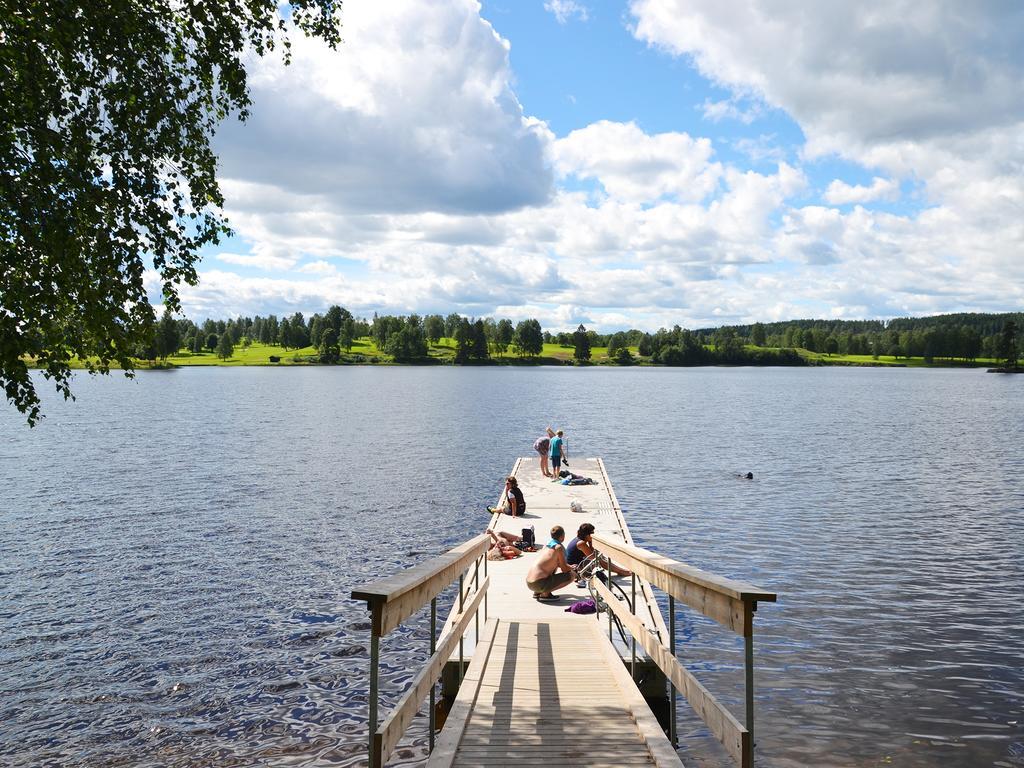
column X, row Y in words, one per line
column 177, row 552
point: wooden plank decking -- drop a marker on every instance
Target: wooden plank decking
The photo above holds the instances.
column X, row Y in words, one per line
column 545, row 687
column 551, row 693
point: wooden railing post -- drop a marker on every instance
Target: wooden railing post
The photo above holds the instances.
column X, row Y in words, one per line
column 374, row 684
column 671, row 685
column 433, row 685
column 748, row 674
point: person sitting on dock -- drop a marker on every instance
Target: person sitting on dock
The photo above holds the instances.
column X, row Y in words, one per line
column 550, row 571
column 514, row 502
column 582, row 547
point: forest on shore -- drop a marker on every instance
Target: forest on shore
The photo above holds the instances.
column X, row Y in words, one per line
column 338, row 337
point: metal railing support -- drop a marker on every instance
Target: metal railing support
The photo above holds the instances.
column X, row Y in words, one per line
column 476, row 585
column 632, row 609
column 462, row 598
column 609, row 607
column 672, row 736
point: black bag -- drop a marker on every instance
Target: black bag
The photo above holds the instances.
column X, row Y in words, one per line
column 528, row 537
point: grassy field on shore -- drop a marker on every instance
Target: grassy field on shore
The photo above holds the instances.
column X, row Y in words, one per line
column 365, row 352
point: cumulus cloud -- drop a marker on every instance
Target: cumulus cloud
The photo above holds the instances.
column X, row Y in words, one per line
column 869, row 71
column 564, row 10
column 414, row 112
column 926, row 92
column 841, row 193
column 912, row 88
column 632, row 165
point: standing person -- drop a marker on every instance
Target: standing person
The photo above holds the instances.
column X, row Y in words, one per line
column 557, row 452
column 542, row 445
column 543, row 576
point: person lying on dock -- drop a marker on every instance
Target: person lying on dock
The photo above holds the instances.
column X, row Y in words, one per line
column 504, row 545
column 550, row 571
column 582, row 547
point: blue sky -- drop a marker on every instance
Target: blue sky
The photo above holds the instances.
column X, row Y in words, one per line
column 632, row 164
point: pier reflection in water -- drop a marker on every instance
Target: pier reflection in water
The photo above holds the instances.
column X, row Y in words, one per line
column 176, row 552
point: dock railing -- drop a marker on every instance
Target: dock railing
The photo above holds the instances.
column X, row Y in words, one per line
column 731, row 603
column 393, row 600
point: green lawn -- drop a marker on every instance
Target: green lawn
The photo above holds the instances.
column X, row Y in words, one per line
column 260, row 354
column 889, row 360
column 364, row 350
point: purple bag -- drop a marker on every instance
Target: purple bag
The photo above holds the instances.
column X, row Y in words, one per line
column 582, row 606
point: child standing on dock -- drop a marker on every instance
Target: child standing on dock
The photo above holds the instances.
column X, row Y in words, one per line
column 557, row 453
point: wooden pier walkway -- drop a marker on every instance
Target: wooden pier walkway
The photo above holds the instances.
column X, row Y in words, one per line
column 547, row 687
column 551, row 692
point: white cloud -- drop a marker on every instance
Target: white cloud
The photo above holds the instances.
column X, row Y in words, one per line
column 912, row 88
column 925, row 92
column 632, row 165
column 761, row 148
column 413, row 112
column 729, row 108
column 318, row 268
column 841, row 193
column 265, row 261
column 564, row 10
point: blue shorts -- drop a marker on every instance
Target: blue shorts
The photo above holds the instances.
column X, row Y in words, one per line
column 556, row 461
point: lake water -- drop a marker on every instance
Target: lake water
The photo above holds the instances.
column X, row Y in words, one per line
column 177, row 552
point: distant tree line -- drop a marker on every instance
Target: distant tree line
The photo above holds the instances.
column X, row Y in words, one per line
column 407, row 338
column 965, row 336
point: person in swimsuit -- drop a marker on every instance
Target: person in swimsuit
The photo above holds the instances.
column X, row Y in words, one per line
column 550, row 571
column 557, row 452
column 503, row 545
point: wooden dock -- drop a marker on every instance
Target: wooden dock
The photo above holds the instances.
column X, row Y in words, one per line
column 544, row 686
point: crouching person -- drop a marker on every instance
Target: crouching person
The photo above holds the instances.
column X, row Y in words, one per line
column 550, row 571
